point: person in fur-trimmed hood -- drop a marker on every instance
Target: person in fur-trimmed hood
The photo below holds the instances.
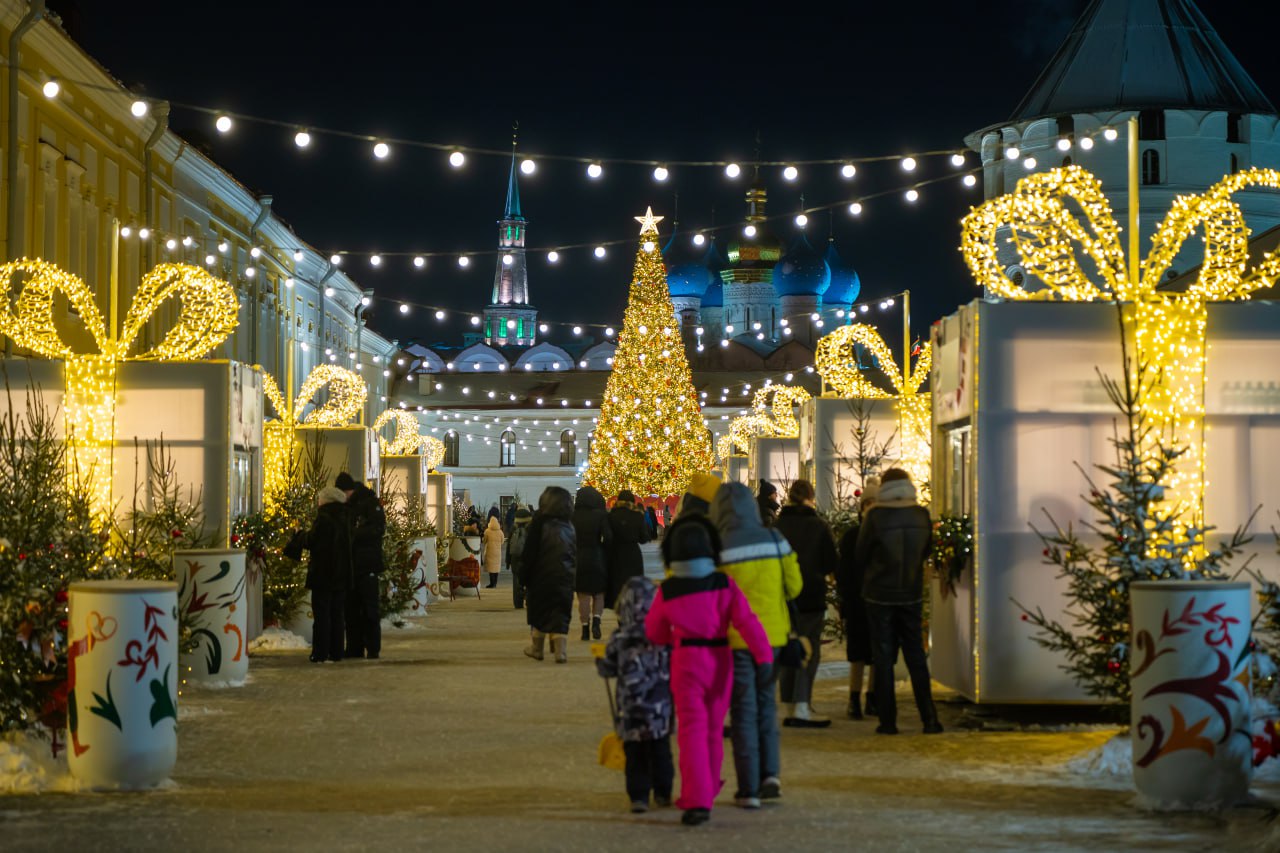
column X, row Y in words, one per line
column 694, row 611
column 643, row 690
column 893, row 542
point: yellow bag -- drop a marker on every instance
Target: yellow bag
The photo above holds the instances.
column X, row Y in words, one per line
column 610, row 753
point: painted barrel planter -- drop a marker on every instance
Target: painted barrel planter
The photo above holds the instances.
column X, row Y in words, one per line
column 1189, row 673
column 212, row 600
column 122, row 709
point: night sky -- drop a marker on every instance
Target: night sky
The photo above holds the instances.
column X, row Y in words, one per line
column 644, row 81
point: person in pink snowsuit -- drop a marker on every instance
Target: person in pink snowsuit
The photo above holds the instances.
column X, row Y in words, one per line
column 692, row 612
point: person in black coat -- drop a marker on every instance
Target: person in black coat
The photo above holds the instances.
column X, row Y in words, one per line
column 853, row 610
column 630, row 530
column 595, row 538
column 548, row 562
column 328, row 574
column 368, row 524
column 810, row 538
column 767, row 500
column 893, row 542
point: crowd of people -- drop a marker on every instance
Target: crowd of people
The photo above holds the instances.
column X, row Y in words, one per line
column 746, row 579
column 738, row 620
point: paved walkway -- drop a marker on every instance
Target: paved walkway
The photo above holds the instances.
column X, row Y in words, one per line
column 455, row 741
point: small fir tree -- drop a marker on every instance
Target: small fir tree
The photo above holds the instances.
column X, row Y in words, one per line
column 651, row 437
column 406, row 522
column 50, row 537
column 263, row 535
column 1136, row 536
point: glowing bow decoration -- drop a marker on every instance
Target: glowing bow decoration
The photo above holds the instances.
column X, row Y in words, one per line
column 836, row 360
column 778, row 421
column 207, row 315
column 1057, row 219
column 347, row 395
column 407, row 440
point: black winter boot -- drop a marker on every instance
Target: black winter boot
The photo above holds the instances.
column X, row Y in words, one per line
column 595, row 627
column 586, row 632
column 855, row 707
column 870, row 705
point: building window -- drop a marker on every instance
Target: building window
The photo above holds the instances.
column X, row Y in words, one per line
column 1235, row 128
column 1150, row 166
column 450, row 450
column 568, row 448
column 507, row 449
column 1235, row 164
column 519, row 327
column 1151, row 124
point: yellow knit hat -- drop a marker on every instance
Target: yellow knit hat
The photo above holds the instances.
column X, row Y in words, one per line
column 704, row 486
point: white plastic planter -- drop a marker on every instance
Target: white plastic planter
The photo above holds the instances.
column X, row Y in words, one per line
column 212, row 600
column 426, row 575
column 123, row 707
column 1189, row 672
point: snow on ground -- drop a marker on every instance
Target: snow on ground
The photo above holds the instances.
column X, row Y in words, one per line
column 27, row 766
column 277, row 639
column 1112, row 761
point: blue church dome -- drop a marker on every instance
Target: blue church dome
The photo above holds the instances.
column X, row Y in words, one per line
column 687, row 270
column 845, row 284
column 714, row 297
column 802, row 271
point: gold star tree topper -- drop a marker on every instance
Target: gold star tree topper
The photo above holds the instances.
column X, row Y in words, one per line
column 648, row 222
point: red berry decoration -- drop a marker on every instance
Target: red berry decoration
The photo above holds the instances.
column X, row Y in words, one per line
column 1046, row 552
column 175, row 533
column 1024, row 617
column 60, row 596
column 235, row 540
column 1113, row 666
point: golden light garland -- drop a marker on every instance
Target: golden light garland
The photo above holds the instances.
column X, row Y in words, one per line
column 433, row 449
column 765, row 420
column 407, row 440
column 1056, row 218
column 347, row 395
column 836, row 360
column 650, row 438
column 208, row 314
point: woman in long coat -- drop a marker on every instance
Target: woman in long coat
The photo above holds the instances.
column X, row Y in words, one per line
column 591, row 522
column 493, row 540
column 547, row 569
column 630, row 530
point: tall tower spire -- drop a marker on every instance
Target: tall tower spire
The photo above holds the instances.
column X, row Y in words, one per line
column 509, row 319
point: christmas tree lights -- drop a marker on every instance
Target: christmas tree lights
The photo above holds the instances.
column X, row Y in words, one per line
column 651, row 438
column 207, row 316
column 837, row 363
column 1061, row 225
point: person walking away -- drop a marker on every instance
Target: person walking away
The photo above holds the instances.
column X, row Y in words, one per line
column 509, row 521
column 694, row 611
column 643, row 691
column 591, row 523
column 368, row 524
column 629, row 530
column 493, row 540
column 702, row 488
column 515, row 554
column 328, row 574
column 763, row 565
column 548, row 561
column 857, row 630
column 811, row 539
column 651, row 522
column 894, row 541
column 767, row 499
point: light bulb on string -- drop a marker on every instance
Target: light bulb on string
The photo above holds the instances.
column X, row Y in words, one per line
column 144, row 233
column 908, row 164
column 912, row 195
column 507, row 260
column 957, row 160
column 139, row 108
column 1012, row 153
column 733, row 170
column 1029, row 163
column 464, row 261
column 698, row 239
column 970, row 180
column 848, row 170
column 749, row 231
column 1110, row 134
column 439, row 315
column 171, row 244
column 209, row 260
column 51, row 88
column 223, row 124
column 224, row 246
column 255, row 252
column 419, row 261
column 187, row 241
column 790, row 173
column 125, row 231
column 381, row 150
column 599, row 252
column 375, row 260
column 1064, row 144
column 288, row 282
column 297, row 255
column 553, row 256
column 475, row 321
column 801, row 220
column 660, row 173
column 456, row 159
column 855, row 209
column 1086, row 143
column 608, row 331
column 302, row 139
column 594, row 171
column 542, row 327
column 528, row 167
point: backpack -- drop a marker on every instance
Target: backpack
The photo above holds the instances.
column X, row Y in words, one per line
column 515, row 544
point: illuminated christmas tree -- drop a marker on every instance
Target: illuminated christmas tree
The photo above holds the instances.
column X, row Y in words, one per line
column 651, row 438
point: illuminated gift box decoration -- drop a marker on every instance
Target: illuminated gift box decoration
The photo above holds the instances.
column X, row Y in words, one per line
column 836, row 360
column 207, row 315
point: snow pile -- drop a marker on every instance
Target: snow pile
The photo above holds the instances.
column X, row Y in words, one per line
column 277, row 639
column 27, row 766
column 416, row 624
column 1112, row 761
